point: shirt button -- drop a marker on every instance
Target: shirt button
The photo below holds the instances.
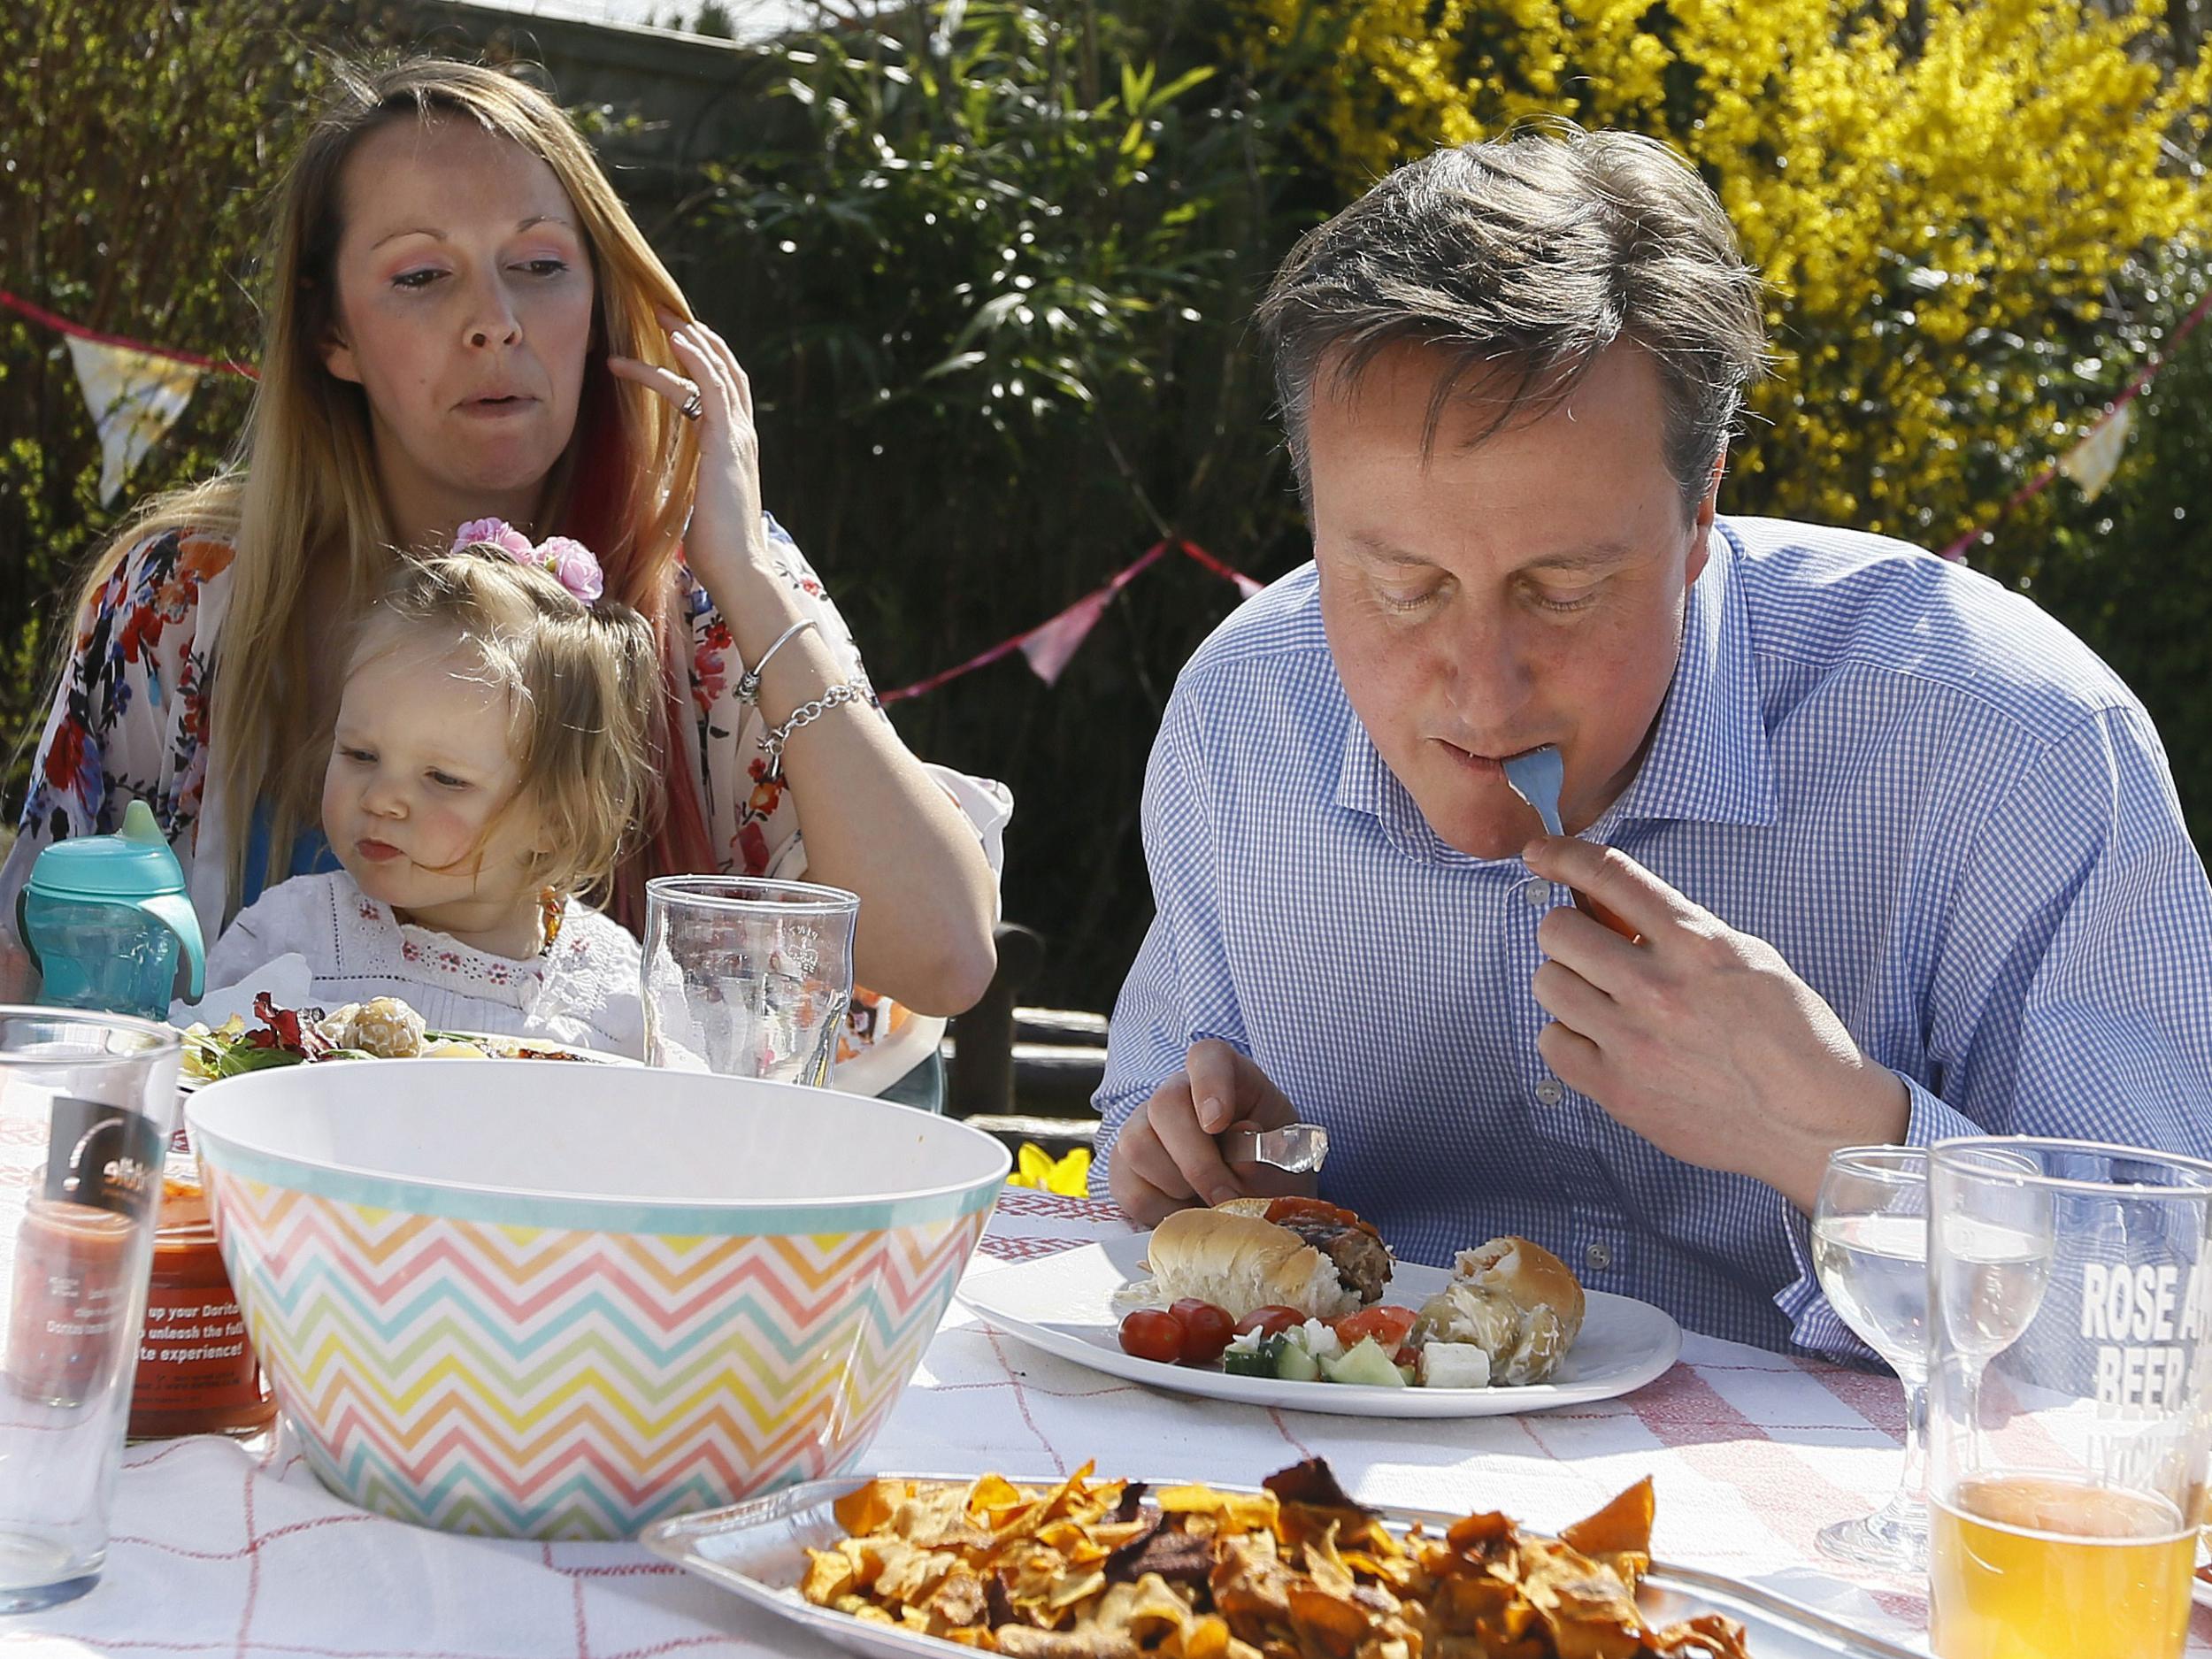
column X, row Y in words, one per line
column 1550, row 1092
column 1597, row 1257
column 1536, row 893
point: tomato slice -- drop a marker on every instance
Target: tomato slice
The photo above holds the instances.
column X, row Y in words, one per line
column 1386, row 1324
column 1273, row 1318
column 1152, row 1333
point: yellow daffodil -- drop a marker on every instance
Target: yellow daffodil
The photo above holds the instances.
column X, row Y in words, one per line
column 1069, row 1176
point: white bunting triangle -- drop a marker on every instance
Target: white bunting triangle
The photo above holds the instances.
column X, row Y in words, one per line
column 135, row 397
column 2092, row 462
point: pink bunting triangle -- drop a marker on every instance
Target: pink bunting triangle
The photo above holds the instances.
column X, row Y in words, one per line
column 1049, row 645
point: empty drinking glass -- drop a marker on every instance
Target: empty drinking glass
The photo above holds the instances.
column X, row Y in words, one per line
column 746, row 977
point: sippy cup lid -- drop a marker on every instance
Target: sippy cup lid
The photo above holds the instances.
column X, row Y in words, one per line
column 135, row 863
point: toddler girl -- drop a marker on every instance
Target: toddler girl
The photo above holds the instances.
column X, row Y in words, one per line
column 490, row 754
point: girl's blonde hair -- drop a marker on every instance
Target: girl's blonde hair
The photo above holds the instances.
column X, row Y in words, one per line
column 578, row 679
column 303, row 488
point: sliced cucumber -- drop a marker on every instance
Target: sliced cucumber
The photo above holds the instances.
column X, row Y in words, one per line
column 1364, row 1362
column 1295, row 1363
column 1253, row 1361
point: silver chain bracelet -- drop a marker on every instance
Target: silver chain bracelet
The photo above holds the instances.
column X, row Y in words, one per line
column 844, row 691
column 748, row 682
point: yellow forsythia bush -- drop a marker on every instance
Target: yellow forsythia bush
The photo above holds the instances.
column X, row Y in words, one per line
column 1941, row 195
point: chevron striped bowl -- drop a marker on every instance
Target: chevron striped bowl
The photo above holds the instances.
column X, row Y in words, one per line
column 534, row 1301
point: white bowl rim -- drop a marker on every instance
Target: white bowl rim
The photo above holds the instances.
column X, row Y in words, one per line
column 608, row 1211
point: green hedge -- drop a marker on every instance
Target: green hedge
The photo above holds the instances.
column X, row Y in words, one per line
column 994, row 287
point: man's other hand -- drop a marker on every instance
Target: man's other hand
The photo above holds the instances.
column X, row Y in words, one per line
column 1699, row 1038
column 1168, row 1156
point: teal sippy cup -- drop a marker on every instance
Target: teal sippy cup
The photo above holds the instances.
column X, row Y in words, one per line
column 103, row 917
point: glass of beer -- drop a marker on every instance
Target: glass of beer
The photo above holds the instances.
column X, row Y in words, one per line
column 2070, row 1416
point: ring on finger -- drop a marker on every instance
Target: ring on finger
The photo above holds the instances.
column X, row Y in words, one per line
column 694, row 406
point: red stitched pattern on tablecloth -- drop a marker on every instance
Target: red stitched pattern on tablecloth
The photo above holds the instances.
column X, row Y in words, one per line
column 167, row 1448
column 1283, row 1428
column 239, row 1555
column 1021, row 1401
column 1027, row 1249
column 253, row 1568
column 1879, row 1400
column 674, row 1644
column 1687, row 1415
column 1049, row 1393
column 1027, row 1200
column 1902, row 1605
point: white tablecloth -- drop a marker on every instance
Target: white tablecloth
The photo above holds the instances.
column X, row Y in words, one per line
column 220, row 1550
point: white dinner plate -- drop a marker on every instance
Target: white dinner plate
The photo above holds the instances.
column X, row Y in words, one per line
column 568, row 1050
column 1065, row 1305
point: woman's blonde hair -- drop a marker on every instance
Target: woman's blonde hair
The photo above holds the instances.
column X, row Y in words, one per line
column 302, row 484
column 578, row 679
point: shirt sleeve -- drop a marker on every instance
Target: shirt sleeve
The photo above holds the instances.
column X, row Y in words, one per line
column 291, row 919
column 247, row 943
column 2070, row 997
column 127, row 713
column 1180, row 989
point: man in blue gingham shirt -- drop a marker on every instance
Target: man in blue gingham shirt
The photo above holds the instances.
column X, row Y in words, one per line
column 1902, row 858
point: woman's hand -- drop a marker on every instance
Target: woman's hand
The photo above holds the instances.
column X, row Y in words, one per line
column 726, row 537
column 875, row 822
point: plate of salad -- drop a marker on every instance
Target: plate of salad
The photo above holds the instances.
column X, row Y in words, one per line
column 1081, row 1303
column 384, row 1028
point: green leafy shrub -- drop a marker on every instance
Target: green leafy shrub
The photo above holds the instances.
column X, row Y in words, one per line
column 992, row 283
column 139, row 144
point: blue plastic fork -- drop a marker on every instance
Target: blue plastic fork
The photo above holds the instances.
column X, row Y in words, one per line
column 1537, row 777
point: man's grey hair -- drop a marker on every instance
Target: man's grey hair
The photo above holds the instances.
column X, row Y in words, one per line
column 1525, row 257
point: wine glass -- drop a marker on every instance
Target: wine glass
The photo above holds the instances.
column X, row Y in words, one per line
column 1870, row 1252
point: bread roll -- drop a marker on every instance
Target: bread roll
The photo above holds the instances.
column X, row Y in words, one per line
column 1528, row 1275
column 1239, row 1260
column 1514, row 1299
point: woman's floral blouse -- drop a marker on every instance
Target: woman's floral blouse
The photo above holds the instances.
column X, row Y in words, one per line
column 130, row 722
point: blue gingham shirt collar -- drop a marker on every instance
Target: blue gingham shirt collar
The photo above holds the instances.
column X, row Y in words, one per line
column 1708, row 760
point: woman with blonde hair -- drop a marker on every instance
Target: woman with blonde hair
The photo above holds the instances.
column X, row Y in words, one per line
column 463, row 323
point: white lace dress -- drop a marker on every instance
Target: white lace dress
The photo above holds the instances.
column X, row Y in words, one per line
column 583, row 991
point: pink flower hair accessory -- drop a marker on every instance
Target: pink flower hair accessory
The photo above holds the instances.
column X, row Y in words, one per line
column 568, row 560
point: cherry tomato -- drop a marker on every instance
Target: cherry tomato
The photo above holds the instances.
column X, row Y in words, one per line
column 1273, row 1318
column 1386, row 1324
column 1149, row 1333
column 1206, row 1330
